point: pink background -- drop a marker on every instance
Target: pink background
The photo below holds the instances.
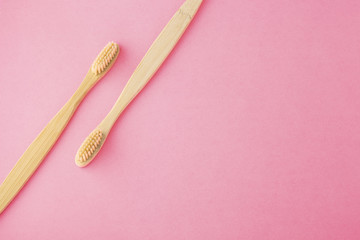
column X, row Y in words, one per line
column 250, row 129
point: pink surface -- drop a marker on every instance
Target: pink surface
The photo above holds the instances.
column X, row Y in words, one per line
column 250, row 129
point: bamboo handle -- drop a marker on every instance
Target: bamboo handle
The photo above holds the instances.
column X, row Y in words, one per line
column 154, row 57
column 148, row 66
column 38, row 149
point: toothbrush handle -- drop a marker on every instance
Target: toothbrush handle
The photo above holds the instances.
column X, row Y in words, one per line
column 153, row 59
column 38, row 149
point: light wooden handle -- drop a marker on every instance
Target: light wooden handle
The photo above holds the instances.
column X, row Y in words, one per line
column 38, row 149
column 155, row 56
column 153, row 59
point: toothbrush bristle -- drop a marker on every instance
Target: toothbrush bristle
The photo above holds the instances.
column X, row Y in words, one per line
column 90, row 145
column 104, row 58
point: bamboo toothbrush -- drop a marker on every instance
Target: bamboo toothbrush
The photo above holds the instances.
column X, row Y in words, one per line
column 155, row 56
column 38, row 149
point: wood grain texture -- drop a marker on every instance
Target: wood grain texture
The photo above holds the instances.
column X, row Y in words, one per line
column 155, row 56
column 153, row 59
column 38, row 149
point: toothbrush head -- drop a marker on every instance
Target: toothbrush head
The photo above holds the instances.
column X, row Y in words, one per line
column 105, row 58
column 89, row 148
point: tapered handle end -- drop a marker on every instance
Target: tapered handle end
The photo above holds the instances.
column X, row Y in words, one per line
column 190, row 7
